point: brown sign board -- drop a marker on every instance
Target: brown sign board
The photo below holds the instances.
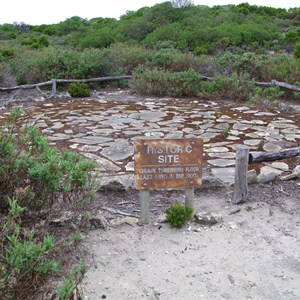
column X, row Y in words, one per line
column 168, row 163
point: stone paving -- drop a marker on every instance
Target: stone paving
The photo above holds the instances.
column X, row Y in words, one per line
column 104, row 127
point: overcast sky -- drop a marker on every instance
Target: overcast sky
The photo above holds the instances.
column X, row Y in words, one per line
column 36, row 12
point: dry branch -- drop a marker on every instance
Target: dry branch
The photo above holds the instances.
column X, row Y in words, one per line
column 270, row 156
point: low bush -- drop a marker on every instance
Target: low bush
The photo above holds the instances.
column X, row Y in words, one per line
column 36, row 181
column 78, row 89
column 150, row 82
column 69, row 288
column 25, row 260
column 282, row 68
column 173, row 60
column 178, row 214
column 159, row 82
column 36, row 174
column 297, row 51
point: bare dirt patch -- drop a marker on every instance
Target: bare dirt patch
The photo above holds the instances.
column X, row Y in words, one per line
column 252, row 254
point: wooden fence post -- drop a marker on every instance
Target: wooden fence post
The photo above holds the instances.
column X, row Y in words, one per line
column 189, row 197
column 145, row 217
column 53, row 86
column 240, row 177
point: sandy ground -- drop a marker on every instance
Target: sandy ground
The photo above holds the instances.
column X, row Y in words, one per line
column 252, row 254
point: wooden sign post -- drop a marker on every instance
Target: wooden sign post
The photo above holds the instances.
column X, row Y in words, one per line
column 167, row 163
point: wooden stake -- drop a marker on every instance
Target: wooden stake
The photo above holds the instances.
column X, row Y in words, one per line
column 53, row 86
column 241, row 170
column 144, row 218
column 189, row 197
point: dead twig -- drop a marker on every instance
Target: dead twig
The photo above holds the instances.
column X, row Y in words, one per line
column 284, row 192
column 118, row 212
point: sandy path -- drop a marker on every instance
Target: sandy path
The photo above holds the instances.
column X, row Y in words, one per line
column 251, row 255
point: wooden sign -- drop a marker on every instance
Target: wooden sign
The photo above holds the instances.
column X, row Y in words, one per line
column 168, row 163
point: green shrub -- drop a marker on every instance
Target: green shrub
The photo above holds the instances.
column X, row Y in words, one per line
column 35, row 177
column 78, row 89
column 238, row 87
column 184, row 83
column 24, row 259
column 269, row 97
column 70, row 285
column 6, row 53
column 36, row 174
column 178, row 214
column 157, row 82
column 36, row 42
column 172, row 60
column 39, row 66
column 131, row 57
column 150, row 82
column 282, row 68
column 297, row 51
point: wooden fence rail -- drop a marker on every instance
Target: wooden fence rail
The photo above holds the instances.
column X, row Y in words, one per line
column 244, row 158
column 53, row 82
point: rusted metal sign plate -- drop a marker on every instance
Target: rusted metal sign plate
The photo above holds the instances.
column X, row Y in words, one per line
column 168, row 163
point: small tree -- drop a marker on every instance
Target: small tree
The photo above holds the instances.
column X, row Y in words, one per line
column 182, row 3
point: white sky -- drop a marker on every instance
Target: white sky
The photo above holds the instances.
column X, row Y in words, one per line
column 36, row 12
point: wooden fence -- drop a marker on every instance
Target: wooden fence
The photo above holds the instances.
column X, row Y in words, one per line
column 243, row 158
column 54, row 82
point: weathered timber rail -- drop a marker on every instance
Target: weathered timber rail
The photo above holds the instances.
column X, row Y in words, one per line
column 255, row 157
column 244, row 158
column 53, row 82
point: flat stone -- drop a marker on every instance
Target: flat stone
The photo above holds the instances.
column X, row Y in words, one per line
column 102, row 163
column 74, row 146
column 154, row 134
column 104, row 131
column 41, row 125
column 268, row 174
column 116, row 182
column 222, row 162
column 174, row 135
column 222, row 154
column 239, row 126
column 91, row 140
column 224, row 174
column 264, row 113
column 232, row 138
column 280, row 166
column 98, row 221
column 208, row 218
column 210, row 182
column 58, row 125
column 218, row 149
column 130, row 133
column 253, row 142
column 251, row 176
column 209, row 135
column 130, row 166
column 241, row 108
column 125, row 220
column 118, row 152
column 153, row 116
column 270, row 147
column 68, row 131
column 58, row 137
column 90, row 148
column 116, row 121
